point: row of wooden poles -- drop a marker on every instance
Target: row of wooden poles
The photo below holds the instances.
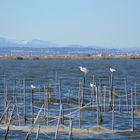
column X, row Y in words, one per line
column 81, row 94
column 60, row 118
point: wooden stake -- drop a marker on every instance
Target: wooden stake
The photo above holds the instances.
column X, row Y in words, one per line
column 135, row 93
column 132, row 110
column 6, row 109
column 70, row 126
column 119, row 103
column 104, row 98
column 24, row 92
column 32, row 104
column 113, row 118
column 58, row 122
column 60, row 91
column 33, row 125
column 111, row 90
column 7, row 130
column 97, row 106
column 37, row 134
column 126, row 94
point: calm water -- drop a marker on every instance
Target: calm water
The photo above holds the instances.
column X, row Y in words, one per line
column 42, row 71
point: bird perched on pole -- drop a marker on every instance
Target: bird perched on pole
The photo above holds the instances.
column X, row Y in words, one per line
column 33, row 87
column 83, row 69
column 92, row 85
column 112, row 70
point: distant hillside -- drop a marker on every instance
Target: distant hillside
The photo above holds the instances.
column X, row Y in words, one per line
column 25, row 43
column 36, row 43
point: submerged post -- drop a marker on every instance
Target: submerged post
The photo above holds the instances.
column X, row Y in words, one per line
column 37, row 134
column 99, row 117
column 70, row 126
column 32, row 103
column 56, row 131
column 5, row 137
column 104, row 98
column 60, row 91
column 135, row 93
column 113, row 115
column 111, row 90
column 126, row 94
column 83, row 95
column 24, row 92
column 132, row 109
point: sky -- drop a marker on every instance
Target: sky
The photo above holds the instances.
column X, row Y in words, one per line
column 109, row 23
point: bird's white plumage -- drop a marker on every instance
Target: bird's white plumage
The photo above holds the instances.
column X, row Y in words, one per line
column 83, row 69
column 92, row 85
column 33, row 87
column 112, row 70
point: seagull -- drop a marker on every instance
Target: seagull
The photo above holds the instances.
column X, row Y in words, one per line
column 33, row 87
column 92, row 85
column 112, row 70
column 83, row 69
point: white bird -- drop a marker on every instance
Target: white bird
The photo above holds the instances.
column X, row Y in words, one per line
column 33, row 87
column 112, row 70
column 91, row 85
column 83, row 69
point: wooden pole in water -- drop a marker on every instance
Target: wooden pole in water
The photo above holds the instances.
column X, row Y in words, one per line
column 126, row 94
column 119, row 103
column 100, row 104
column 79, row 103
column 2, row 116
column 5, row 137
column 58, row 122
column 135, row 93
column 45, row 100
column 14, row 88
column 32, row 103
column 97, row 106
column 56, row 83
column 104, row 98
column 17, row 110
column 6, row 101
column 132, row 109
column 62, row 116
column 24, row 92
column 68, row 99
column 111, row 90
column 113, row 115
column 46, row 103
column 92, row 91
column 60, row 91
column 79, row 117
column 79, row 93
column 83, row 95
column 49, row 93
column 33, row 125
column 37, row 134
column 70, row 126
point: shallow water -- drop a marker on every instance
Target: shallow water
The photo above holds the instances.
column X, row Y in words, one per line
column 44, row 72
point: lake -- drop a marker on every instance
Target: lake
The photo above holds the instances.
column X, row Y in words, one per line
column 63, row 81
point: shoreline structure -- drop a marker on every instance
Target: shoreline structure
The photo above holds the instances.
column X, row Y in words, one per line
column 68, row 57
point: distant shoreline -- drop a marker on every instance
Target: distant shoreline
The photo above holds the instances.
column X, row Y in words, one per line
column 67, row 57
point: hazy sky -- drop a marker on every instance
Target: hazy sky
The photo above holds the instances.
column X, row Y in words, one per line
column 111, row 23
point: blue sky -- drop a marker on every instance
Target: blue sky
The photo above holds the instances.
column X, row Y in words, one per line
column 110, row 23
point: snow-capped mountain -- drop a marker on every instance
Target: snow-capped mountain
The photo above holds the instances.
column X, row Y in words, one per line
column 26, row 43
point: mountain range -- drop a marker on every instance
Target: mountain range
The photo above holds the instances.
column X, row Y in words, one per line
column 36, row 43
